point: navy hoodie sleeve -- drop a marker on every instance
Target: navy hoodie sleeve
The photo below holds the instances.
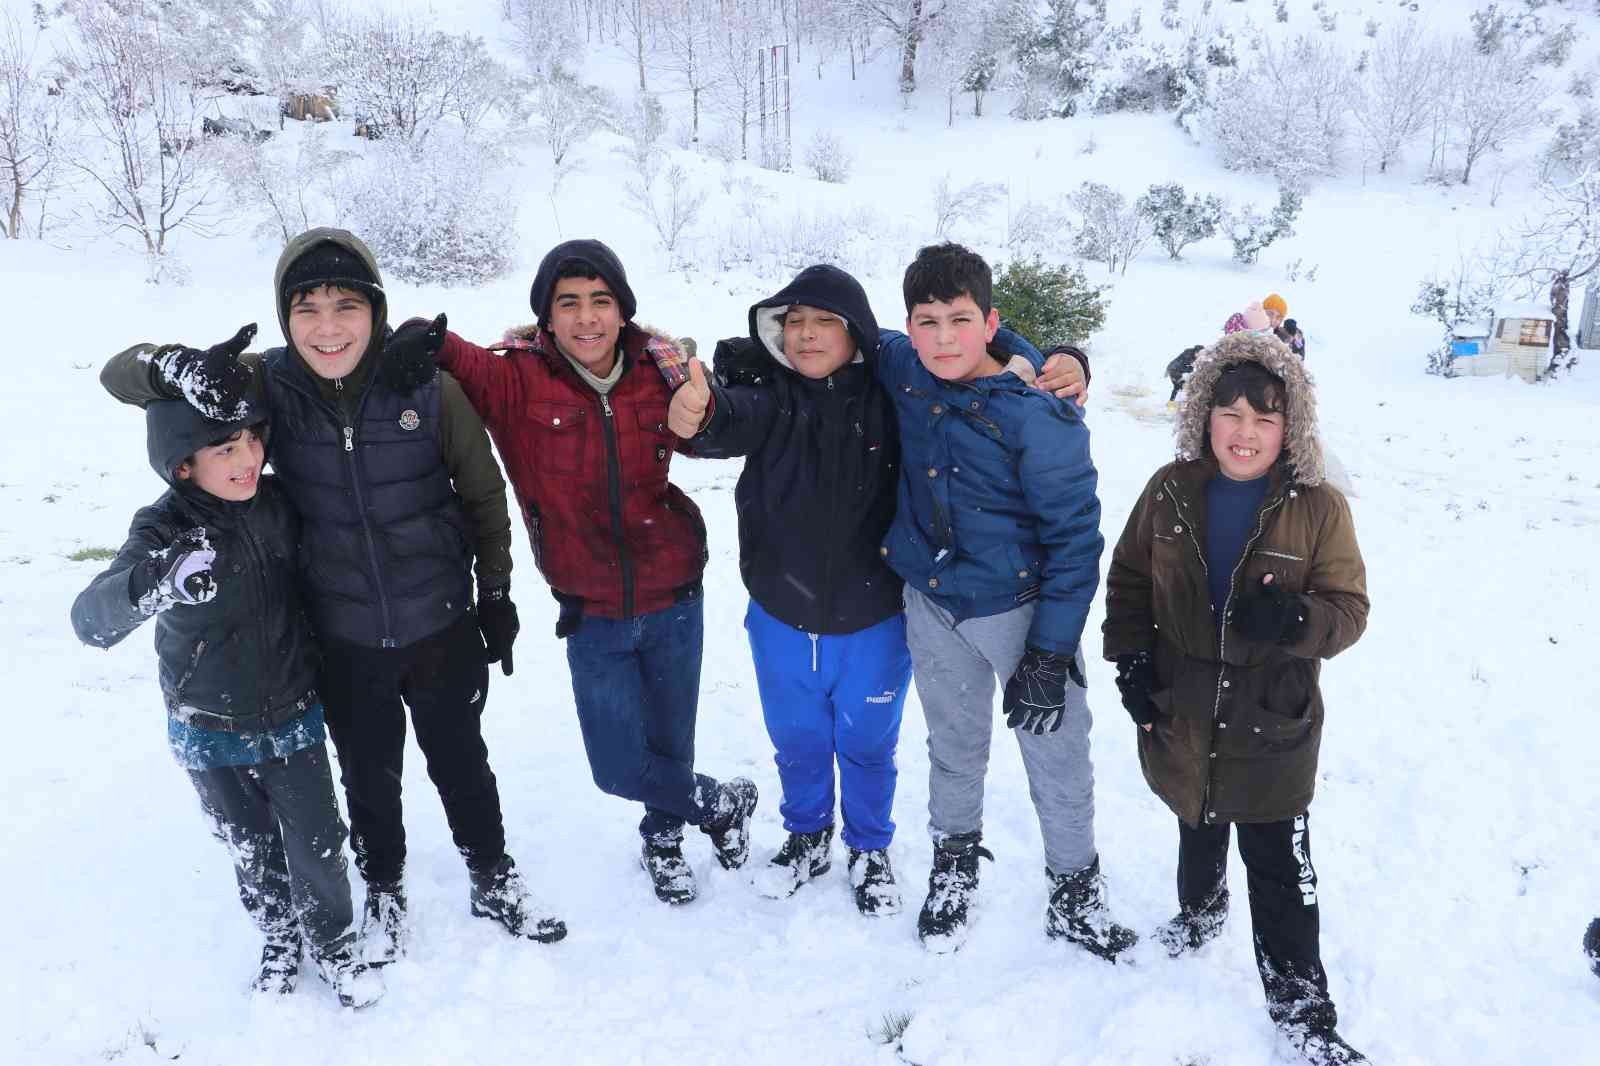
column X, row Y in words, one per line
column 742, row 417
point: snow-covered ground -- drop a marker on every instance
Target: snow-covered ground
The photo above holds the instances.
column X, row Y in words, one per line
column 1455, row 822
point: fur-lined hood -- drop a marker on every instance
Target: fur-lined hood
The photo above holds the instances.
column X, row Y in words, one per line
column 1302, row 445
column 670, row 354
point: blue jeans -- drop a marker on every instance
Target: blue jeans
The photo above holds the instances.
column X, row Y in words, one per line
column 827, row 697
column 636, row 683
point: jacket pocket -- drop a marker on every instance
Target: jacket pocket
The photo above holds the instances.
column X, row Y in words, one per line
column 558, row 437
column 656, row 441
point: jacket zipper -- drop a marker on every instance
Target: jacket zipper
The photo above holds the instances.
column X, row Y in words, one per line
column 614, row 485
column 259, row 565
column 1222, row 627
column 813, row 637
column 826, row 599
column 388, row 640
column 194, row 664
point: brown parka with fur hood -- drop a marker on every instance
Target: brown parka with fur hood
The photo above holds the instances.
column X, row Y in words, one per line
column 1240, row 721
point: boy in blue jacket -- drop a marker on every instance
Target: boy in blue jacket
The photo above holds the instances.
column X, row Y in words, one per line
column 212, row 561
column 997, row 536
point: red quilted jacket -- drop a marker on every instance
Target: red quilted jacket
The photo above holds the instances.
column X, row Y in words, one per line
column 590, row 472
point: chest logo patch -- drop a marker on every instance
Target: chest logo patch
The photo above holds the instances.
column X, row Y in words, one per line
column 409, row 420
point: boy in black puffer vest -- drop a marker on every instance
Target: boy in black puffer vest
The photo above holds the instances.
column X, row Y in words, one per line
column 400, row 495
column 213, row 562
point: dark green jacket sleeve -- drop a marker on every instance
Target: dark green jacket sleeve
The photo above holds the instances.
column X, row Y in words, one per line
column 131, row 375
column 471, row 463
column 104, row 612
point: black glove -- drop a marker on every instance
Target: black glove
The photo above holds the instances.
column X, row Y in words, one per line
column 1036, row 695
column 497, row 619
column 213, row 381
column 1269, row 614
column 411, row 355
column 1136, row 676
column 180, row 574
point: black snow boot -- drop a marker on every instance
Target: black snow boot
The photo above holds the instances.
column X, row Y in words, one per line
column 383, row 925
column 1190, row 929
column 1077, row 912
column 280, row 965
column 355, row 982
column 802, row 857
column 728, row 824
column 501, row 894
column 1320, row 1045
column 1591, row 946
column 662, row 858
column 872, row 878
column 953, row 881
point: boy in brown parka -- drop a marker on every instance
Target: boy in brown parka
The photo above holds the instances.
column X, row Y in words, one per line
column 1238, row 571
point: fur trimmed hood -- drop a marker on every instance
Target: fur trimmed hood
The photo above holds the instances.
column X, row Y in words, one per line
column 670, row 354
column 1302, row 445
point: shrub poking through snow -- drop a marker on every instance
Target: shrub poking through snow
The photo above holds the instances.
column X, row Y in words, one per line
column 1049, row 304
column 827, row 158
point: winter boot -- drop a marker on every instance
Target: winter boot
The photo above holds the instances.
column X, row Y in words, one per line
column 802, row 857
column 1077, row 912
column 1320, row 1045
column 501, row 894
column 728, row 824
column 356, row 983
column 662, row 858
column 383, row 925
column 280, row 965
column 872, row 878
column 1190, row 928
column 942, row 924
column 1591, row 946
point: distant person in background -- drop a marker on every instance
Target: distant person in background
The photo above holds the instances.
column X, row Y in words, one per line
column 1591, row 946
column 1180, row 368
column 1289, row 333
column 1252, row 319
column 1277, row 309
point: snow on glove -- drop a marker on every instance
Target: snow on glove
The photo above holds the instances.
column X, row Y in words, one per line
column 1136, row 676
column 1269, row 614
column 411, row 354
column 213, row 381
column 1036, row 695
column 497, row 621
column 181, row 573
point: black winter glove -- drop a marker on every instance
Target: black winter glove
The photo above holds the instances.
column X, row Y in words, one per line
column 213, row 381
column 1036, row 695
column 1136, row 677
column 497, row 620
column 1269, row 614
column 180, row 574
column 411, row 354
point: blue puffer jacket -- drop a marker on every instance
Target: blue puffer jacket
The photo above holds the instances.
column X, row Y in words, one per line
column 997, row 504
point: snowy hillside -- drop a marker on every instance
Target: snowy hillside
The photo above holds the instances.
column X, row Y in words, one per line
column 1454, row 822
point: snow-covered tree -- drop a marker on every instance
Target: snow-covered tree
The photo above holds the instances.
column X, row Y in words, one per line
column 1055, row 58
column 908, row 22
column 827, row 158
column 736, row 84
column 545, row 33
column 289, row 193
column 1110, row 230
column 1555, row 247
column 1178, row 221
column 1251, row 230
column 33, row 135
column 400, row 73
column 1283, row 113
column 1395, row 94
column 688, row 28
column 669, row 204
column 1498, row 103
column 957, row 205
column 965, row 52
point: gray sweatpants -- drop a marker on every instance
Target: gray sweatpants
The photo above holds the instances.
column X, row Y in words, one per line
column 956, row 667
column 280, row 822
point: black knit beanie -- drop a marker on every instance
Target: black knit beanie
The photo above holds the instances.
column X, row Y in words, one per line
column 328, row 263
column 592, row 254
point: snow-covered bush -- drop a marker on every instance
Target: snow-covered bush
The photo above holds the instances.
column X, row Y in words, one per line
column 1037, row 230
column 827, row 158
column 288, row 193
column 1048, row 304
column 1054, row 56
column 1461, row 295
column 431, row 211
column 1177, row 221
column 670, row 203
column 1284, row 113
column 1251, row 231
column 1134, row 73
column 1110, row 230
column 956, row 206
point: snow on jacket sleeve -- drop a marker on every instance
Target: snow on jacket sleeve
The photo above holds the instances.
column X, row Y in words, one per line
column 477, row 480
column 1130, row 623
column 104, row 613
column 1058, row 482
column 1336, row 585
column 131, row 376
column 490, row 381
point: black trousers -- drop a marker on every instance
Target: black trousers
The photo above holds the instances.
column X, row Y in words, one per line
column 1283, row 908
column 280, row 823
column 444, row 680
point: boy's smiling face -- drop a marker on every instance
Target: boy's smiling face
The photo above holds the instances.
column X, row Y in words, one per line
column 230, row 470
column 586, row 321
column 1245, row 441
column 952, row 338
column 331, row 329
column 816, row 342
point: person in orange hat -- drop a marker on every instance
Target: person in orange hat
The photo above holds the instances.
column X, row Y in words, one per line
column 1277, row 309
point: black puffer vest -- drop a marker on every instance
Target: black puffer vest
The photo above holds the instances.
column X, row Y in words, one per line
column 385, row 544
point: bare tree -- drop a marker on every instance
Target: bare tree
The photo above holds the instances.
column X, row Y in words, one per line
column 546, row 31
column 400, row 73
column 1554, row 247
column 956, row 206
column 688, row 26
column 141, row 117
column 1111, row 231
column 31, row 131
column 636, row 16
column 670, row 206
column 908, row 22
column 283, row 192
column 1498, row 103
column 735, row 51
column 1396, row 94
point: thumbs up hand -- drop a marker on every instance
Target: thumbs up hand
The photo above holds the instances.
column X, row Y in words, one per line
column 690, row 402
